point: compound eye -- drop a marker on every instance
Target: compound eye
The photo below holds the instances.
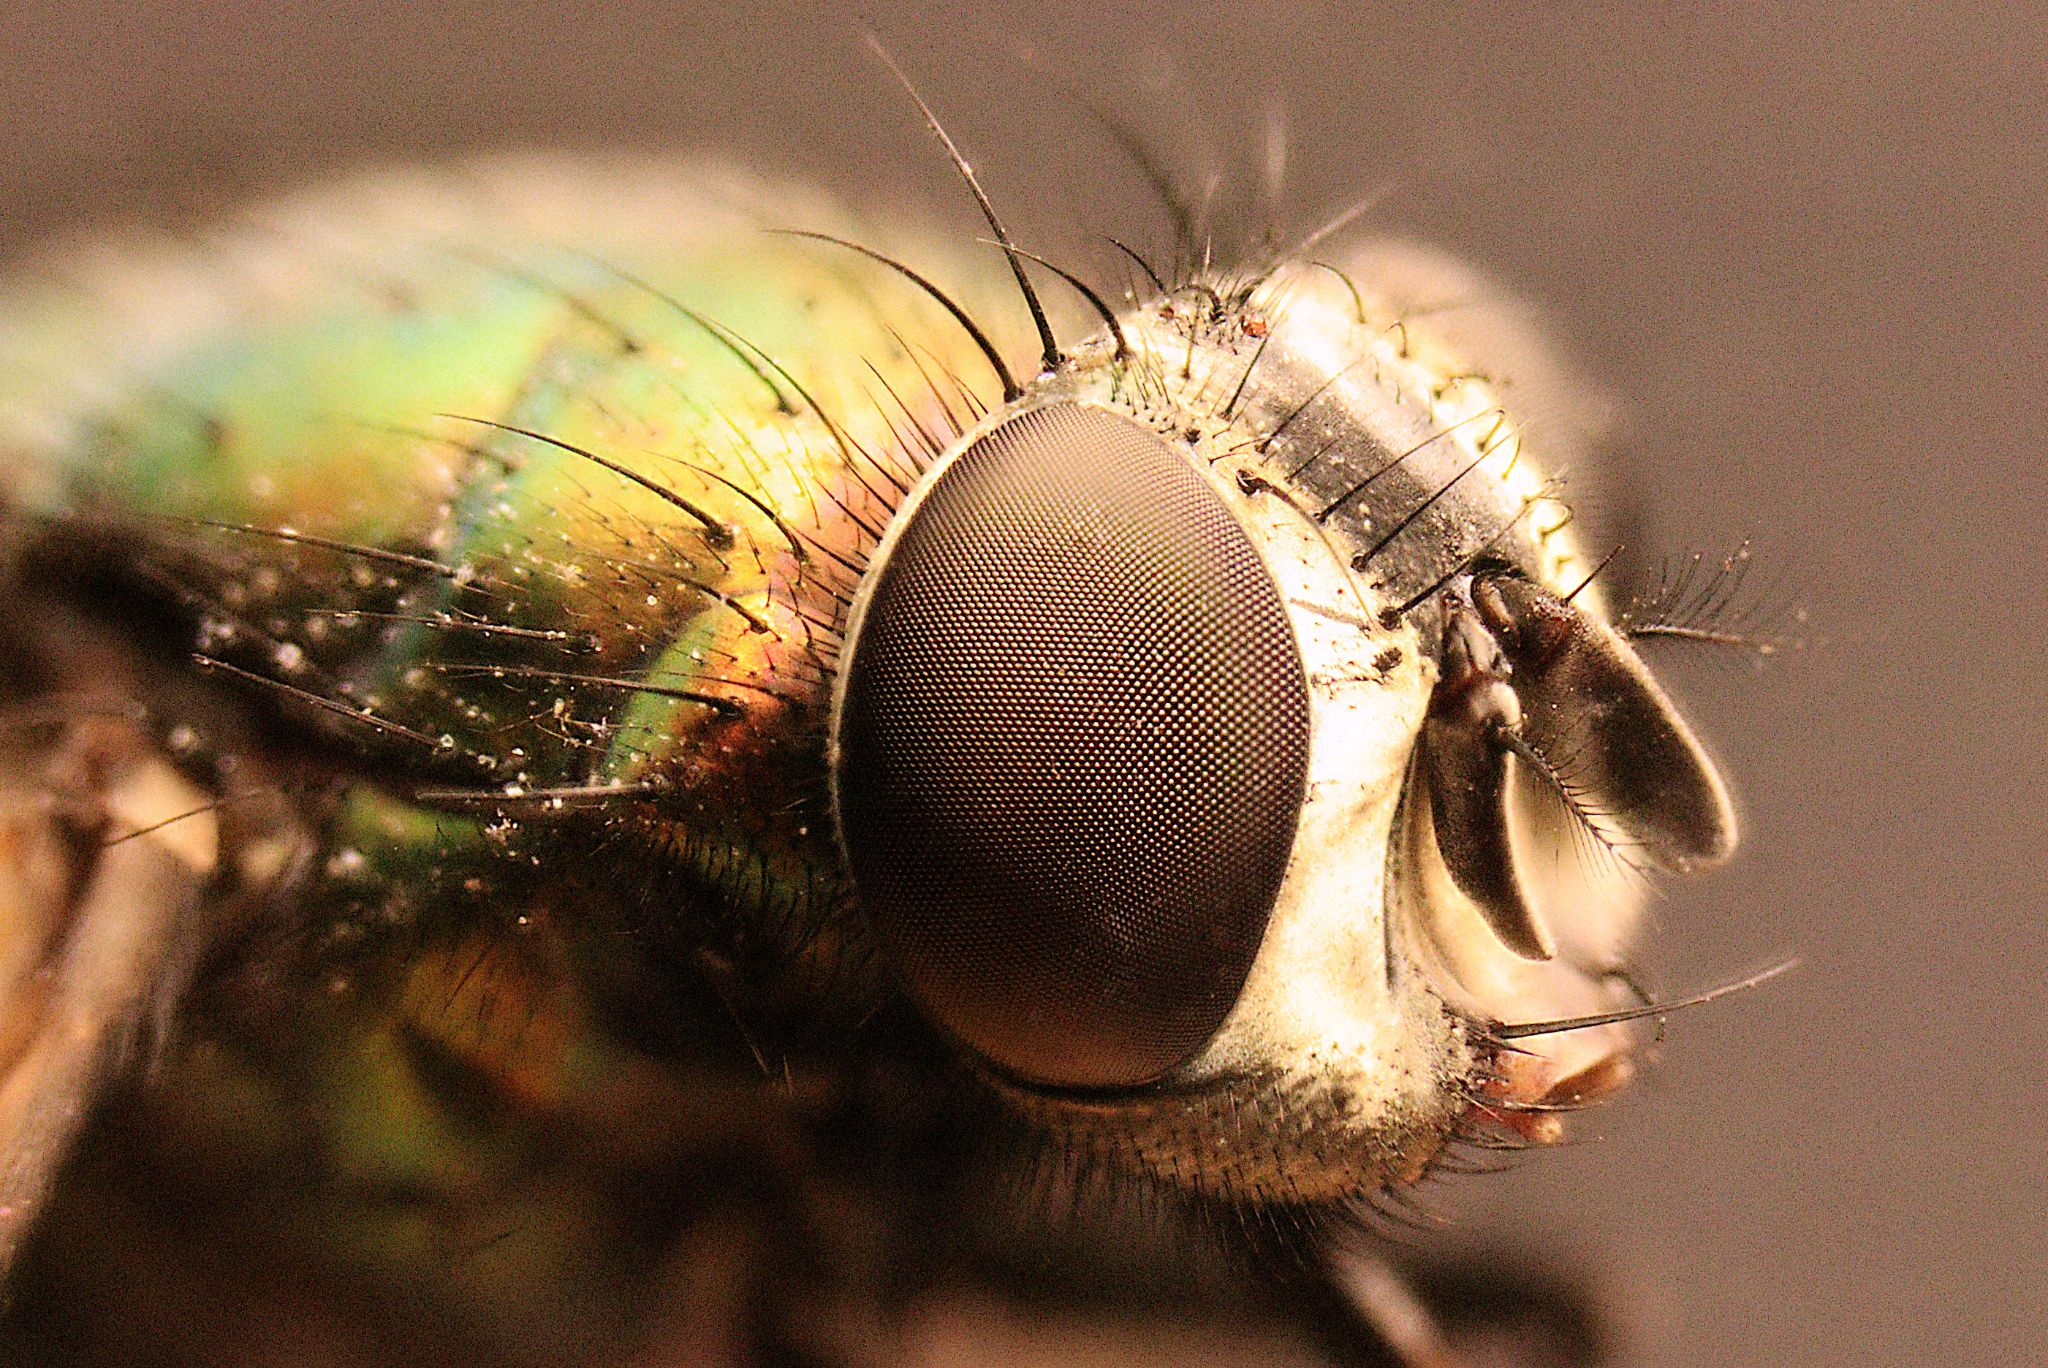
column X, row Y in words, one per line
column 1071, row 750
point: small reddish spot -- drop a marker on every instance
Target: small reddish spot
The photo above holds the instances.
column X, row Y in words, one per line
column 1596, row 1082
column 1256, row 327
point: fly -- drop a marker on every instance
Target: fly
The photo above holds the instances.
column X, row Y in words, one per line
column 644, row 765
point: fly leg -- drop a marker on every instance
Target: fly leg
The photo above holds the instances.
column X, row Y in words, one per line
column 88, row 924
column 118, row 871
column 1481, row 1312
column 1392, row 1310
column 1473, row 727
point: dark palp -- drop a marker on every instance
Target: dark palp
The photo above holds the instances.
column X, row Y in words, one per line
column 1526, row 674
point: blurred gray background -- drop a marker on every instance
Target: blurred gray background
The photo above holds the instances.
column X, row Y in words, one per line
column 1805, row 246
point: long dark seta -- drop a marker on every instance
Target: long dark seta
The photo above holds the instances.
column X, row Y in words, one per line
column 1522, row 1030
column 333, row 706
column 1266, row 442
column 561, row 795
column 187, row 814
column 1594, row 573
column 716, row 533
column 378, row 554
column 1081, row 287
column 574, row 302
column 1142, row 264
column 1237, row 394
column 1179, row 212
column 1464, row 566
column 714, row 331
column 1011, row 389
column 1367, row 483
column 724, row 706
column 1365, row 557
column 445, row 622
column 754, row 501
column 1049, row 344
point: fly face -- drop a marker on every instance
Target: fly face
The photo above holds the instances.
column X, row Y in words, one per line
column 689, row 707
column 1192, row 741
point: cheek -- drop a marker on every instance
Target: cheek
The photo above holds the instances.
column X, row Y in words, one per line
column 1321, row 988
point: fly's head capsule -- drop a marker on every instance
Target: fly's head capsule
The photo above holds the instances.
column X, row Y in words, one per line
column 1209, row 723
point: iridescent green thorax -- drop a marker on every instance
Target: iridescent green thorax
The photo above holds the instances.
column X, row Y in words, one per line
column 530, row 499
column 548, row 483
